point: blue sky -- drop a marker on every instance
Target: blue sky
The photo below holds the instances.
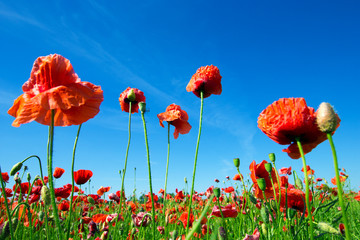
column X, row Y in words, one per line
column 265, row 50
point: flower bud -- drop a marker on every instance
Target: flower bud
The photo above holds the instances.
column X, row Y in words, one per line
column 326, row 118
column 185, row 180
column 28, row 177
column 264, row 213
column 222, row 234
column 142, row 107
column 216, row 192
column 131, row 95
column 272, row 157
column 325, row 227
column 298, row 183
column 291, row 213
column 41, row 215
column 237, row 162
column 45, row 195
column 174, row 234
column 37, row 177
column 252, row 199
column 261, row 183
column 91, row 200
column 17, row 178
column 16, row 168
column 268, row 167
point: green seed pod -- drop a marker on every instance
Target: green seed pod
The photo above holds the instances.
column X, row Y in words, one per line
column 216, row 192
column 298, row 183
column 325, row 227
column 16, row 168
column 236, row 162
column 28, row 177
column 268, row 167
column 222, row 234
column 45, row 195
column 264, row 214
column 326, row 118
column 261, row 183
column 252, row 199
column 131, row 95
column 291, row 213
column 272, row 157
column 91, row 200
column 142, row 107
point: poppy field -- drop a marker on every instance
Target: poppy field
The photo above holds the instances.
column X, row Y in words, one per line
column 260, row 203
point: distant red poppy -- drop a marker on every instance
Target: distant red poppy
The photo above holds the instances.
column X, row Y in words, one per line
column 309, row 170
column 286, row 120
column 357, row 197
column 237, row 177
column 259, row 171
column 227, row 211
column 58, row 172
column 285, row 170
column 5, row 177
column 229, row 189
column 8, row 192
column 124, row 100
column 342, row 179
column 295, row 199
column 23, row 187
column 206, row 79
column 53, row 85
column 176, row 117
column 183, row 218
column 179, row 195
column 82, row 176
column 103, row 190
column 99, row 218
column 162, row 191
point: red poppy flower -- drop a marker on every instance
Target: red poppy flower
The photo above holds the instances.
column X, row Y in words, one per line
column 102, row 190
column 53, row 85
column 206, row 79
column 237, row 177
column 342, row 179
column 64, row 205
column 58, row 172
column 5, row 177
column 295, row 199
column 357, row 197
column 179, row 195
column 259, row 171
column 99, row 218
column 286, row 120
column 23, row 187
column 229, row 189
column 124, row 100
column 176, row 117
column 309, row 170
column 8, row 192
column 82, row 176
column 285, row 170
column 227, row 211
column 183, row 218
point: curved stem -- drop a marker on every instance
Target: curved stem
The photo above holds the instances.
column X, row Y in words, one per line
column 41, row 172
column 308, row 206
column 195, row 161
column 149, row 168
column 340, row 190
column 72, row 182
column 50, row 172
column 6, row 205
column 167, row 166
column 126, row 157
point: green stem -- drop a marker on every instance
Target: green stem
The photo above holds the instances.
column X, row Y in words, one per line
column 6, row 205
column 126, row 158
column 308, row 206
column 149, row 168
column 195, row 161
column 167, row 167
column 72, row 183
column 340, row 190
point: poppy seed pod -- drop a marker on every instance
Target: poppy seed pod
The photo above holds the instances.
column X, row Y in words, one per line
column 91, row 200
column 272, row 157
column 261, row 183
column 236, row 162
column 16, row 168
column 28, row 177
column 131, row 95
column 142, row 107
column 216, row 192
column 268, row 167
column 326, row 118
column 45, row 195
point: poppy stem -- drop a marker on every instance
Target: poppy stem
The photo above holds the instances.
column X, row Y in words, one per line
column 338, row 183
column 50, row 172
column 149, row 168
column 6, row 205
column 167, row 167
column 126, row 158
column 195, row 161
column 72, row 183
column 308, row 206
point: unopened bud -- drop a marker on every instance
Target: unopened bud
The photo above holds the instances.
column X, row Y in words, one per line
column 298, row 183
column 91, row 200
column 28, row 177
column 41, row 215
column 174, row 234
column 216, row 192
column 131, row 95
column 264, row 214
column 185, row 180
column 272, row 157
column 325, row 227
column 326, row 118
column 237, row 162
column 142, row 107
column 291, row 213
column 45, row 195
column 261, row 183
column 268, row 167
column 252, row 199
column 16, row 168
